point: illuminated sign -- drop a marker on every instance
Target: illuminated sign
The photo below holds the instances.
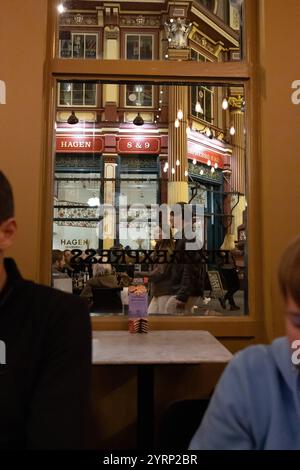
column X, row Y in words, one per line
column 198, row 152
column 82, row 144
column 136, row 145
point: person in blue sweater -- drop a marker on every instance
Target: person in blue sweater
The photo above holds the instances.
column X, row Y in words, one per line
column 256, row 404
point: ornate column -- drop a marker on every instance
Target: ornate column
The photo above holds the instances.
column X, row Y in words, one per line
column 177, row 147
column 109, row 192
column 111, row 51
column 238, row 164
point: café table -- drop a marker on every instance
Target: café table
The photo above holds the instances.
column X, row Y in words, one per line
column 153, row 349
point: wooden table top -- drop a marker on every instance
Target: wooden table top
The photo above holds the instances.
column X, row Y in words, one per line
column 157, row 347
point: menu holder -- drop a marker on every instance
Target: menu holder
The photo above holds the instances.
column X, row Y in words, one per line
column 138, row 308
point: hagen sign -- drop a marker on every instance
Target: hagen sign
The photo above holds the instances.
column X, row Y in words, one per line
column 136, row 145
column 82, row 144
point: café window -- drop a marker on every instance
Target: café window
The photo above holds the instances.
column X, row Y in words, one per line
column 78, row 45
column 107, row 202
column 77, row 94
column 139, row 46
column 139, row 95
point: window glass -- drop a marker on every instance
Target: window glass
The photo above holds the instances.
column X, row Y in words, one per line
column 77, row 94
column 139, row 95
column 119, row 207
column 133, row 47
column 139, row 47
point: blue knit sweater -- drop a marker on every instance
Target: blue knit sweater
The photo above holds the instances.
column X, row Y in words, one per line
column 256, row 404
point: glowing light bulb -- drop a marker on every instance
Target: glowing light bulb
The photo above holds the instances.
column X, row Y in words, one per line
column 173, row 171
column 60, row 8
column 212, row 170
column 225, row 104
column 209, row 163
column 198, row 108
column 201, row 172
column 177, row 162
column 167, row 165
column 186, row 173
column 159, row 109
column 165, row 170
column 216, row 165
column 161, row 92
column 180, row 114
column 194, row 161
column 160, row 101
column 232, row 130
column 166, row 56
column 176, row 123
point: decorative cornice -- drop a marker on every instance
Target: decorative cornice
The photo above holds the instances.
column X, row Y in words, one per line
column 203, row 42
column 139, row 20
column 79, row 19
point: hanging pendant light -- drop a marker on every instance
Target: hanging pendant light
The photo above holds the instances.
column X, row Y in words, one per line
column 198, row 108
column 138, row 120
column 177, row 162
column 180, row 114
column 225, row 103
column 232, row 130
column 73, row 119
column 176, row 123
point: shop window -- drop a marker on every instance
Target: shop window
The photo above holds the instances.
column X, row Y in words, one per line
column 139, row 95
column 76, row 209
column 78, row 45
column 77, row 94
column 139, row 46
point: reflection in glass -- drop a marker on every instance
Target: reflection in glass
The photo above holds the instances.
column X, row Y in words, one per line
column 110, row 178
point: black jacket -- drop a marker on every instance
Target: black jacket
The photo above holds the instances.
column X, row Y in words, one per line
column 44, row 385
column 187, row 273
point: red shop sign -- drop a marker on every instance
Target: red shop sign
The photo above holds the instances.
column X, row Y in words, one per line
column 82, row 144
column 202, row 154
column 138, row 145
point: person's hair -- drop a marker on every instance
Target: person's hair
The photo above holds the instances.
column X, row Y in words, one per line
column 57, row 255
column 289, row 271
column 6, row 199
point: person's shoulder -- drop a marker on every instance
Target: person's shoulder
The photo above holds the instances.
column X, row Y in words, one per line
column 50, row 299
column 256, row 359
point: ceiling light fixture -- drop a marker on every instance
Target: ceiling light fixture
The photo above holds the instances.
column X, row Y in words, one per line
column 138, row 120
column 73, row 119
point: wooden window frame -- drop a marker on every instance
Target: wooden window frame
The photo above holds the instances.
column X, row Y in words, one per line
column 237, row 330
